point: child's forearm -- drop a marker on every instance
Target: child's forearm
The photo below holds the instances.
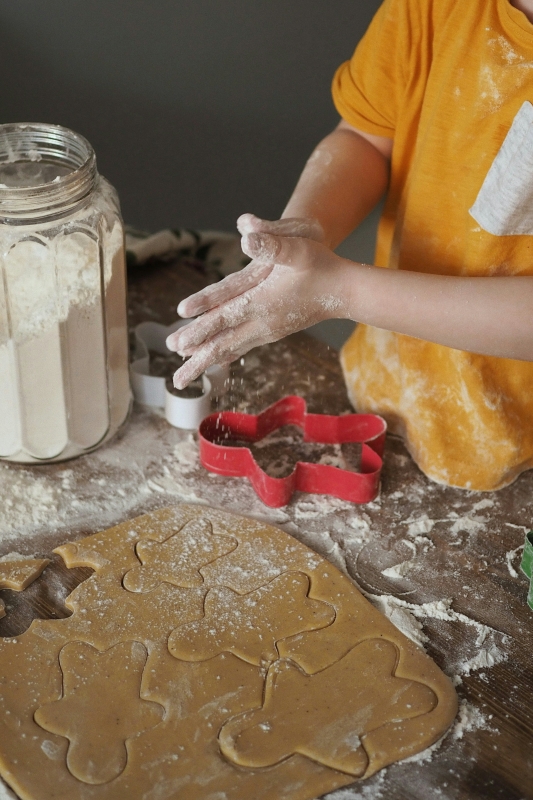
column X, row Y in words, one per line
column 344, row 178
column 492, row 316
column 346, row 175
column 489, row 315
column 295, row 281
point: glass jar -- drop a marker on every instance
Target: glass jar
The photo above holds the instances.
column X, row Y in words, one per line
column 64, row 383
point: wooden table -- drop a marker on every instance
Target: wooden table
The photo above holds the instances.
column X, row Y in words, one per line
column 461, row 545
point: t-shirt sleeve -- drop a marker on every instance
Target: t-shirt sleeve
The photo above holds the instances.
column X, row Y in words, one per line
column 368, row 89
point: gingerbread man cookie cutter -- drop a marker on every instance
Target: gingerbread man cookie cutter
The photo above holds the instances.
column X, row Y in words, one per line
column 237, row 461
column 151, row 390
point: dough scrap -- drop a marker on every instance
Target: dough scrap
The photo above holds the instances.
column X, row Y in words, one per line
column 333, row 727
column 17, row 574
column 250, row 625
column 180, row 757
column 97, row 729
column 178, row 559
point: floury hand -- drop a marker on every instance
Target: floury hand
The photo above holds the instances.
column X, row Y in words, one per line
column 262, row 303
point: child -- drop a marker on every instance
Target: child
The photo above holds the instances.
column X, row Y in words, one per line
column 437, row 114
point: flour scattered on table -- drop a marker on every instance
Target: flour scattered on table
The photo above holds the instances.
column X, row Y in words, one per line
column 317, row 505
column 486, row 658
column 398, row 570
column 322, row 543
column 469, row 719
column 509, row 558
column 186, row 454
column 28, row 501
column 400, row 616
column 469, row 523
column 488, row 644
column 421, row 525
column 361, row 526
column 5, row 792
column 135, row 471
column 427, row 754
column 372, row 789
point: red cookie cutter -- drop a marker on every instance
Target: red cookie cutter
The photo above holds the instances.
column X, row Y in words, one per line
column 357, row 487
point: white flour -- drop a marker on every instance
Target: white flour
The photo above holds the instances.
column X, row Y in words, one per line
column 35, row 505
column 406, row 616
column 5, row 793
column 487, row 657
column 57, row 396
column 419, row 526
column 12, row 557
column 399, row 570
column 509, row 557
column 47, row 274
column 371, row 789
column 401, row 617
column 469, row 719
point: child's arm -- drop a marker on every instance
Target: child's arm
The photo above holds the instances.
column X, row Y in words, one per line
column 342, row 181
column 309, row 283
column 487, row 315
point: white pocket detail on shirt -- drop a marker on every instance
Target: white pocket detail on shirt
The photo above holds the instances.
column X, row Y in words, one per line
column 504, row 205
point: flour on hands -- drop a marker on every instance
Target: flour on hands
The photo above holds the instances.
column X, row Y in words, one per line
column 286, row 287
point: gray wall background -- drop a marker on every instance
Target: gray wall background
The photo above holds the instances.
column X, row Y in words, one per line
column 199, row 110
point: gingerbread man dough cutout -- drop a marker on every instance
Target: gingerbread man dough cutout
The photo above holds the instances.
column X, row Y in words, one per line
column 250, row 625
column 98, row 731
column 336, row 720
column 178, row 559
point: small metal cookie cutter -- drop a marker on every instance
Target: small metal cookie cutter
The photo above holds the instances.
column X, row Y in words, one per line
column 238, row 461
column 527, row 566
column 181, row 412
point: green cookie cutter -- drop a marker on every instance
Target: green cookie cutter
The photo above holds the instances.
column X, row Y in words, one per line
column 527, row 566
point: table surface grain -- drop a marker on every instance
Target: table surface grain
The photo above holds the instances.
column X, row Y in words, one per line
column 466, row 554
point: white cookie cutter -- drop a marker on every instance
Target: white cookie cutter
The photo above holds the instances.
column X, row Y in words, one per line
column 181, row 412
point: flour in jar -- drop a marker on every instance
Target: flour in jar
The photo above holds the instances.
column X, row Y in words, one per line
column 63, row 341
column 51, row 268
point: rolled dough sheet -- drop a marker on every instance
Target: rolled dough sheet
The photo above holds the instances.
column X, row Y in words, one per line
column 210, row 656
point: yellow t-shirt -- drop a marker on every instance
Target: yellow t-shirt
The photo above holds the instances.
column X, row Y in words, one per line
column 446, row 80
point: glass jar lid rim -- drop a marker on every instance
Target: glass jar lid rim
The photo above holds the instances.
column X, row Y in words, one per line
column 46, row 129
column 34, row 142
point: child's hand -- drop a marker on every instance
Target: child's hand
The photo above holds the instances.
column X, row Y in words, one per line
column 254, row 273
column 292, row 282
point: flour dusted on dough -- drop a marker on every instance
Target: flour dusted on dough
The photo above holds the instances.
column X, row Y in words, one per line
column 319, row 648
column 14, row 556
